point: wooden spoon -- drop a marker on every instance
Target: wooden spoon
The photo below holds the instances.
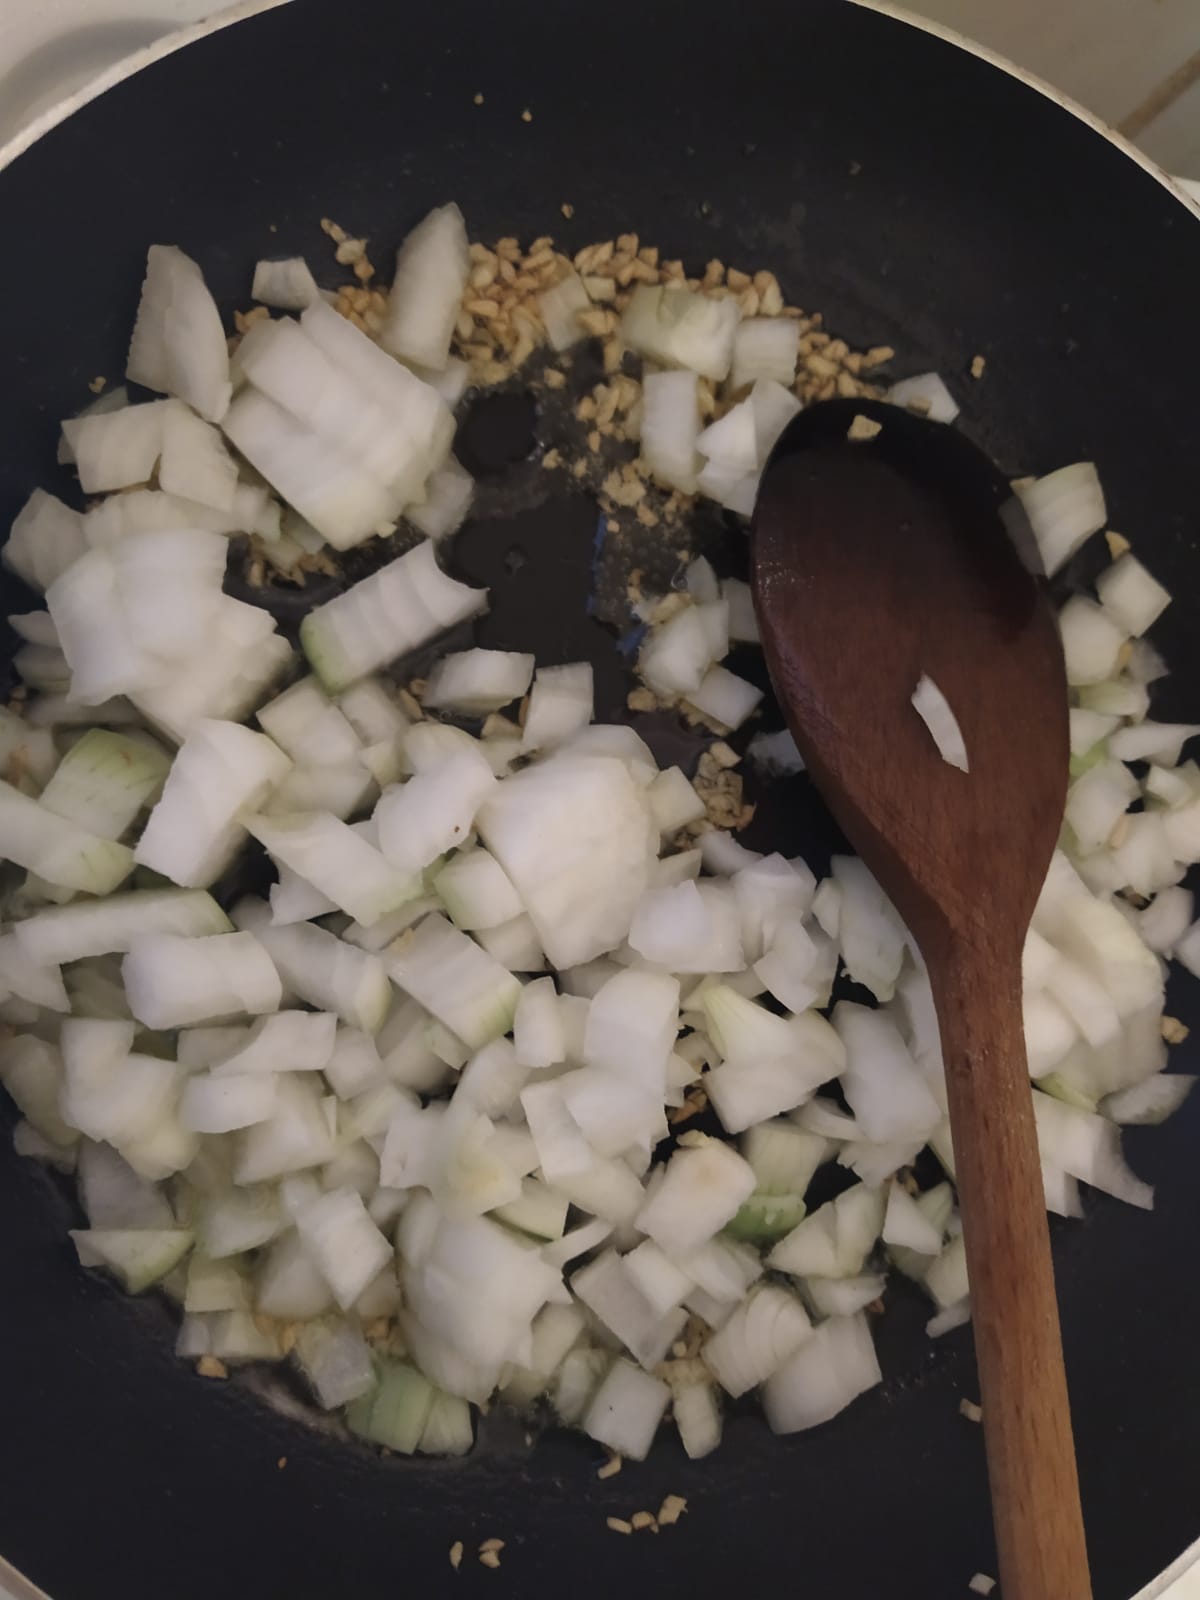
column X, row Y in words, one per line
column 875, row 561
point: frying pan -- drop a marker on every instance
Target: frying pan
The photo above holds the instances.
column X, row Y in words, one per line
column 920, row 197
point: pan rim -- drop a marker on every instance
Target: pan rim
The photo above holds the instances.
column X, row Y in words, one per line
column 241, row 10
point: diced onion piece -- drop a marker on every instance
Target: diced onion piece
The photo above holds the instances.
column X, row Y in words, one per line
column 323, row 970
column 175, row 982
column 427, row 290
column 731, row 441
column 627, row 1408
column 701, row 1192
column 1088, row 1148
column 670, row 428
column 827, row 1372
column 58, row 850
column 345, row 1244
column 460, row 984
column 1151, row 1101
column 905, row 1225
column 337, row 860
column 137, row 1258
column 927, row 395
column 448, row 495
column 322, row 480
column 1091, row 641
column 194, row 831
column 1064, row 509
column 560, row 306
column 537, row 1026
column 476, row 891
column 885, row 1089
column 477, row 681
column 44, row 540
column 104, row 780
column 1152, row 741
column 394, row 611
column 676, row 655
column 178, row 344
column 1131, row 595
column 115, row 449
column 743, row 623
column 219, row 1105
column 765, row 347
column 560, row 704
column 725, row 698
column 575, row 837
column 766, row 1330
column 673, row 800
column 108, row 926
column 286, row 284
column 934, row 710
column 681, row 328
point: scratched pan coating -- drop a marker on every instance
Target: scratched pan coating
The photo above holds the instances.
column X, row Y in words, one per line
column 919, row 197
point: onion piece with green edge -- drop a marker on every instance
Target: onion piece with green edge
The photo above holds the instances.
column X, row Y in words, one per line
column 58, row 850
column 137, row 1258
column 455, row 980
column 394, row 611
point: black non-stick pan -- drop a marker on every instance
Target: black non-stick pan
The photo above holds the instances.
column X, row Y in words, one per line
column 920, row 197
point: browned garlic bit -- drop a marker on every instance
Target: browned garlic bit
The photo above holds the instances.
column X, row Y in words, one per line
column 672, row 1508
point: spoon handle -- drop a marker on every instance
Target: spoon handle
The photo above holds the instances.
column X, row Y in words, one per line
column 1027, row 1421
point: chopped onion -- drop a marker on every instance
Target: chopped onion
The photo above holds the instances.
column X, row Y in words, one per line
column 765, row 347
column 927, row 395
column 178, row 344
column 1133, row 598
column 934, row 710
column 670, row 428
column 681, row 328
column 1064, row 509
column 285, row 284
column 394, row 611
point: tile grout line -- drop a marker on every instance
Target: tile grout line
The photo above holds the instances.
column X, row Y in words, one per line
column 1161, row 99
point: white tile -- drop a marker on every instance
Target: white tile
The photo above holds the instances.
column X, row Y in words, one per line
column 1108, row 54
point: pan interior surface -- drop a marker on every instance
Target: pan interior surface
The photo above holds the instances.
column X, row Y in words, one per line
column 919, row 198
